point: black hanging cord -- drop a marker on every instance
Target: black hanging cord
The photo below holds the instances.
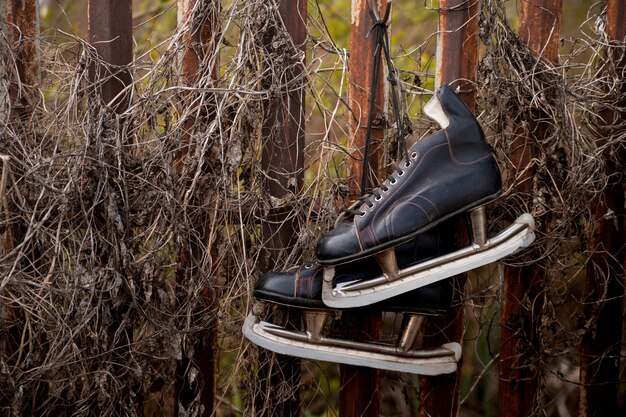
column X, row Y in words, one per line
column 382, row 46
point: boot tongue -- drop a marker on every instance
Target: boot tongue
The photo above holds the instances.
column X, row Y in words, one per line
column 434, row 110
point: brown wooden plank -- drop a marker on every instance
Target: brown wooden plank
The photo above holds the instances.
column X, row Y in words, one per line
column 604, row 281
column 457, row 57
column 519, row 372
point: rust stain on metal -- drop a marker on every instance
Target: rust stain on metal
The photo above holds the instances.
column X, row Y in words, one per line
column 199, row 39
column 283, row 128
column 616, row 20
column 457, row 57
column 283, row 162
column 616, row 29
column 283, row 156
column 22, row 25
column 359, row 386
column 356, row 12
column 540, row 27
column 111, row 34
column 361, row 67
column 294, row 15
column 604, row 281
column 457, row 46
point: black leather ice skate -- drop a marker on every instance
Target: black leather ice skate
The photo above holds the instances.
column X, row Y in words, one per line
column 449, row 172
column 301, row 287
column 446, row 173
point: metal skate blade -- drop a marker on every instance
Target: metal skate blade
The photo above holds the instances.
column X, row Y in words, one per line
column 442, row 360
column 365, row 292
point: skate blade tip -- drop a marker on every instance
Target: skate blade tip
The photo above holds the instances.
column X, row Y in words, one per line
column 526, row 219
column 340, row 288
column 456, row 348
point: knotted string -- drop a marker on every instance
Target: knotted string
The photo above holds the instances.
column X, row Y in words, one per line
column 379, row 27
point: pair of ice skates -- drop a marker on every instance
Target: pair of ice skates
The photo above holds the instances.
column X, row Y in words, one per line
column 392, row 251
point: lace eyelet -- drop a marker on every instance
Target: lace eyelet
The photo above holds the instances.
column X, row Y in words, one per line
column 308, row 266
column 378, row 198
column 414, row 155
column 363, row 213
column 393, row 181
column 407, row 164
column 401, row 173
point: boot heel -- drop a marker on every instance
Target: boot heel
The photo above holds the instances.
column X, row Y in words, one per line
column 478, row 218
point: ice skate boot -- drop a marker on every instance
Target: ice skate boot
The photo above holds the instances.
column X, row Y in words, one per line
column 301, row 288
column 449, row 172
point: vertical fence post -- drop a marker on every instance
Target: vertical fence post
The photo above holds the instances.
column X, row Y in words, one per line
column 110, row 25
column 200, row 39
column 110, row 30
column 519, row 370
column 359, row 395
column 457, row 57
column 4, row 68
column 604, row 280
column 283, row 163
column 21, row 67
column 283, row 151
column 21, row 22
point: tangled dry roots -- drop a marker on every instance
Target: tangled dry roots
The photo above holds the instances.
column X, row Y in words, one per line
column 558, row 106
column 124, row 237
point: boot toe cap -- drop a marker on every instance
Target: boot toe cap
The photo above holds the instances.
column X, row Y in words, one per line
column 301, row 288
column 276, row 283
column 341, row 242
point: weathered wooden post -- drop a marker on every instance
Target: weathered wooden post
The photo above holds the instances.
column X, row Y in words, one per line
column 359, row 395
column 604, row 281
column 540, row 27
column 199, row 60
column 457, row 58
column 283, row 163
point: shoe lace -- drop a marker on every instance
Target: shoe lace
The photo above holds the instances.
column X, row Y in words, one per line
column 379, row 27
column 376, row 193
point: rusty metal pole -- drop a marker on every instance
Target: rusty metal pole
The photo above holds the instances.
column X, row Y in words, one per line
column 110, row 25
column 519, row 370
column 5, row 104
column 283, row 163
column 457, row 57
column 604, row 281
column 20, row 77
column 199, row 60
column 21, row 22
column 359, row 395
